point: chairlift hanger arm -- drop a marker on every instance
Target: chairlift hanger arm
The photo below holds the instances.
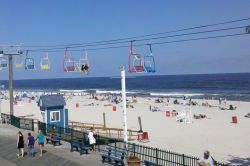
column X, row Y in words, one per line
column 150, row 48
column 26, row 54
column 131, row 49
column 66, row 52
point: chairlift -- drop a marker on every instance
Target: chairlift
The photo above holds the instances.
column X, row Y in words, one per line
column 19, row 62
column 83, row 64
column 3, row 63
column 45, row 63
column 135, row 63
column 68, row 63
column 29, row 62
column 149, row 61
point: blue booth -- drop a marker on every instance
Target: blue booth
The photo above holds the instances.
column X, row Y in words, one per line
column 53, row 111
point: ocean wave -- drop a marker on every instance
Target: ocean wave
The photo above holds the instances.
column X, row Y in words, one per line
column 72, row 91
column 176, row 94
column 112, row 92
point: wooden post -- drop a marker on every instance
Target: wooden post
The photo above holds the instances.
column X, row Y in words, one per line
column 140, row 125
column 104, row 119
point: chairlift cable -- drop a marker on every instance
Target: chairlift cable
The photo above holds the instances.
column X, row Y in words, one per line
column 147, row 35
column 146, row 39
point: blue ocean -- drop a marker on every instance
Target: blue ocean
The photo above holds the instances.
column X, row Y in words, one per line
column 229, row 86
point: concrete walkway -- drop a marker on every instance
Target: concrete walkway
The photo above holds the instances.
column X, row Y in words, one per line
column 53, row 156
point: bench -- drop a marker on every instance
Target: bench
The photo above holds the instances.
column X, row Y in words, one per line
column 112, row 154
column 54, row 139
column 79, row 146
column 148, row 163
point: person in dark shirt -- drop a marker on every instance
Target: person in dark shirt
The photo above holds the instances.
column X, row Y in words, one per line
column 20, row 144
column 31, row 143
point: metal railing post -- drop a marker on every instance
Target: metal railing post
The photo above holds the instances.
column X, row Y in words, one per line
column 134, row 148
column 183, row 159
column 156, row 155
column 32, row 123
column 19, row 124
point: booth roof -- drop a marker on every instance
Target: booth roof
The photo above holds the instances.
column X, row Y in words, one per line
column 51, row 101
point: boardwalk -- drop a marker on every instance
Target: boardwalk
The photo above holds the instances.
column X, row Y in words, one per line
column 53, row 156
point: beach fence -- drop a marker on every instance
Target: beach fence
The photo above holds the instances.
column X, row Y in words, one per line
column 145, row 153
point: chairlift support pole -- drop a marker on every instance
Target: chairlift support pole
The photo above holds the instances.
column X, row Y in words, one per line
column 11, row 84
column 124, row 104
column 1, row 87
column 10, row 56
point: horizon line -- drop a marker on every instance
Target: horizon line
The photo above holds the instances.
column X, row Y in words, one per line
column 135, row 76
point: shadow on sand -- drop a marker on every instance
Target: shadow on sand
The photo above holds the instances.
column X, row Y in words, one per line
column 240, row 161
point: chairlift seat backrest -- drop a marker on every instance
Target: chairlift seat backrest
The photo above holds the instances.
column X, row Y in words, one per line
column 149, row 61
column 82, row 65
column 149, row 64
column 30, row 67
column 136, row 62
column 19, row 65
column 44, row 67
column 69, row 65
column 4, row 63
column 29, row 62
column 45, row 63
column 19, row 62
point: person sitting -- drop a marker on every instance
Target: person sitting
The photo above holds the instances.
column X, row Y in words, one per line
column 247, row 115
column 206, row 160
column 200, row 116
column 231, row 107
column 157, row 100
column 176, row 101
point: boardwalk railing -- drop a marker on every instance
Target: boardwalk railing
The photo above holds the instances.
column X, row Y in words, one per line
column 154, row 155
column 104, row 131
column 22, row 123
column 5, row 118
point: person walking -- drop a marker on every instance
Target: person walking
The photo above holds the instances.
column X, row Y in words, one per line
column 20, row 144
column 206, row 160
column 92, row 140
column 40, row 141
column 31, row 142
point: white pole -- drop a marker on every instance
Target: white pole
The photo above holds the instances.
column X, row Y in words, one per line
column 124, row 103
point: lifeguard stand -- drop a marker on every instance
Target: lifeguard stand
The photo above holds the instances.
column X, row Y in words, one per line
column 185, row 115
column 53, row 111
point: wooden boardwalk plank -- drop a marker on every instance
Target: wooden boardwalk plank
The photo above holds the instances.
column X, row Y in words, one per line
column 53, row 156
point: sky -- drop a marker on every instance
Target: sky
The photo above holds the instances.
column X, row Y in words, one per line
column 63, row 22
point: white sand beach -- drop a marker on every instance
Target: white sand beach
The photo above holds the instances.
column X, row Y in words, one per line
column 216, row 133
